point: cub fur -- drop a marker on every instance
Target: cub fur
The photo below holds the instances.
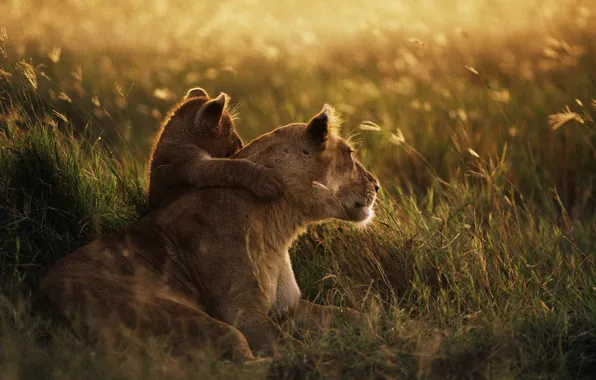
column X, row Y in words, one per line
column 196, row 139
column 212, row 265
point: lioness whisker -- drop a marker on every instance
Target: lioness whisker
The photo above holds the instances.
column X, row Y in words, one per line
column 319, row 185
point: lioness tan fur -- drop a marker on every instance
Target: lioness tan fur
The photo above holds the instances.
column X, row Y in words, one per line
column 193, row 146
column 212, row 265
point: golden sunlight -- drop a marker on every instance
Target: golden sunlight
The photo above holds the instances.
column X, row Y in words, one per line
column 446, row 230
column 271, row 27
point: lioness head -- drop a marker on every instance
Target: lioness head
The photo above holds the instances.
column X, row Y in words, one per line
column 208, row 123
column 321, row 174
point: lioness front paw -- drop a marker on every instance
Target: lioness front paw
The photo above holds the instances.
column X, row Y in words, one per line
column 268, row 186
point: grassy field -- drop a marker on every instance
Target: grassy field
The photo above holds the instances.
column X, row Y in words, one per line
column 477, row 118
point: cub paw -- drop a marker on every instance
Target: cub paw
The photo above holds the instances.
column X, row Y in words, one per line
column 268, row 186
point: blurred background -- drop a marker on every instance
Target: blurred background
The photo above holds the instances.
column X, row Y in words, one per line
column 426, row 83
column 269, row 28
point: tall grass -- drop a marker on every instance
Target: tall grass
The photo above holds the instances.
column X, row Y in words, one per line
column 480, row 262
column 56, row 192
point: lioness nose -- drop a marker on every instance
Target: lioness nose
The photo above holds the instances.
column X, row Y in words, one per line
column 376, row 187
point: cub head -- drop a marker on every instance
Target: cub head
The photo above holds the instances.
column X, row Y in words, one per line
column 205, row 122
column 322, row 176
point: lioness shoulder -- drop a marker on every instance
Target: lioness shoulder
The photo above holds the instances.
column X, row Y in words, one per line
column 193, row 148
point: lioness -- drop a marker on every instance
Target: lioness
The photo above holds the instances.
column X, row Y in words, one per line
column 194, row 143
column 213, row 264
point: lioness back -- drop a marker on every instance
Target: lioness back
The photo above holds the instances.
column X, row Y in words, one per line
column 193, row 147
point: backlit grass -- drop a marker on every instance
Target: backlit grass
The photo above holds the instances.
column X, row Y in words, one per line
column 480, row 262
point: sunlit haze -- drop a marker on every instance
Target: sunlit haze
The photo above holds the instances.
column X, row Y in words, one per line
column 271, row 27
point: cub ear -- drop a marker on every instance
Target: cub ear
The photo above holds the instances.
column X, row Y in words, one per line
column 317, row 128
column 195, row 93
column 210, row 113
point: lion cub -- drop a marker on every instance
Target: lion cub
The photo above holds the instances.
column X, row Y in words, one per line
column 193, row 147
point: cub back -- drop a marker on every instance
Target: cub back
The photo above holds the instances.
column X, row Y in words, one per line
column 198, row 127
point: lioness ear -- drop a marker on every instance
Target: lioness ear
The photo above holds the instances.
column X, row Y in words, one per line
column 195, row 93
column 318, row 127
column 210, row 113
